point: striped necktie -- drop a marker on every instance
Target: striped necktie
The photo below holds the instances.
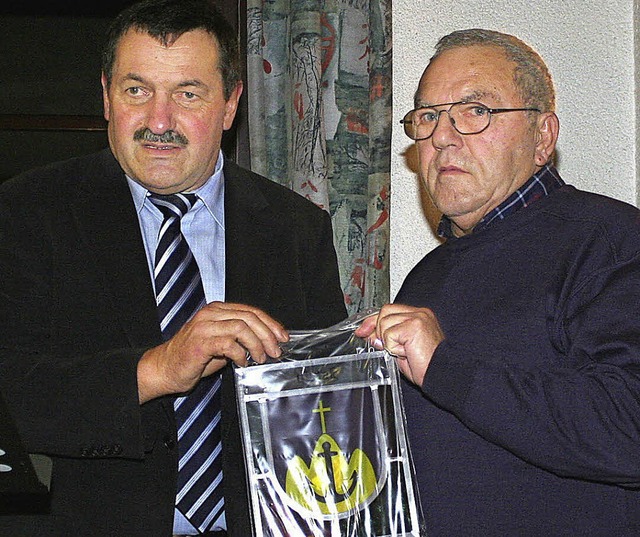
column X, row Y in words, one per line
column 179, row 295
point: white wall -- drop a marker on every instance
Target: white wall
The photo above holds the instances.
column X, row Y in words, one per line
column 589, row 47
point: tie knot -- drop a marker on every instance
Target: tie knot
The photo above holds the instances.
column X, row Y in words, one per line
column 173, row 204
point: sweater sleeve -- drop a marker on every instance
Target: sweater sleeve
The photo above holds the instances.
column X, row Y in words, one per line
column 579, row 415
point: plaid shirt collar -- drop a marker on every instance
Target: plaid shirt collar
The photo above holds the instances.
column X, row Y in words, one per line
column 538, row 186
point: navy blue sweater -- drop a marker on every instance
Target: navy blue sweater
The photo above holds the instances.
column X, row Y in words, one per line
column 528, row 422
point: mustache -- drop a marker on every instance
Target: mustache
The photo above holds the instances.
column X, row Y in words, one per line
column 167, row 137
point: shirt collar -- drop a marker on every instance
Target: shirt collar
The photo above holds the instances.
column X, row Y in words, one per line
column 211, row 193
column 538, row 186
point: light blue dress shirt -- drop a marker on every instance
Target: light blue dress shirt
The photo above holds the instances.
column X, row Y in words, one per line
column 203, row 229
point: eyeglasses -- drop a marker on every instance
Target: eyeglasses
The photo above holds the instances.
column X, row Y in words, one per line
column 466, row 118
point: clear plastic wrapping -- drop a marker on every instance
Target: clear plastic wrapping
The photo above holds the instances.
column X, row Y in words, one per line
column 324, row 441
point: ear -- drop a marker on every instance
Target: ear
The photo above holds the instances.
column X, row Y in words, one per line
column 231, row 106
column 105, row 97
column 548, row 127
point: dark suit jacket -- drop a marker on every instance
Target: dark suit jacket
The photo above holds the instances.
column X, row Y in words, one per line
column 78, row 310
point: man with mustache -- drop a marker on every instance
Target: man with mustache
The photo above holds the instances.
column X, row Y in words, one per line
column 135, row 278
column 520, row 335
column 169, row 137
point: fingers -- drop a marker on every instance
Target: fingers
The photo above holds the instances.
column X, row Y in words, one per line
column 251, row 328
column 373, row 328
column 367, row 327
column 236, row 340
column 217, row 333
column 409, row 333
column 227, row 310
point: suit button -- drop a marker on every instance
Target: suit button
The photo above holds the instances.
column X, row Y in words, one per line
column 169, row 442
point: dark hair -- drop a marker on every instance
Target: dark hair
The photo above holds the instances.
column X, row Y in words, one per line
column 532, row 77
column 166, row 21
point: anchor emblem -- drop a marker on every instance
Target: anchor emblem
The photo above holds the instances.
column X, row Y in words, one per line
column 328, row 455
column 334, row 482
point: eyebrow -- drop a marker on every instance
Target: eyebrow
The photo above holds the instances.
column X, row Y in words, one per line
column 470, row 97
column 195, row 82
column 133, row 76
column 184, row 84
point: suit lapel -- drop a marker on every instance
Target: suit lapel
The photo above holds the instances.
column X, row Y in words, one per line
column 107, row 214
column 253, row 234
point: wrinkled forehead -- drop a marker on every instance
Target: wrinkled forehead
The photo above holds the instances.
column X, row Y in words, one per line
column 474, row 73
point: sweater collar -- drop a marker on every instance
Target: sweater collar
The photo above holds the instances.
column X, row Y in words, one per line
column 538, row 186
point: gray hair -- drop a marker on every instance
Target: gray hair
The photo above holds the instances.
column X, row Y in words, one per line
column 532, row 76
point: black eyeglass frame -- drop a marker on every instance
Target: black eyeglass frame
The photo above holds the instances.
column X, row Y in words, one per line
column 490, row 111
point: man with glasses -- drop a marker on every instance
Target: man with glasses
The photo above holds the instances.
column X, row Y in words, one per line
column 520, row 335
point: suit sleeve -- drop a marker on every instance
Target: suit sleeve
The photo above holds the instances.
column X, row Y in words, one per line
column 65, row 402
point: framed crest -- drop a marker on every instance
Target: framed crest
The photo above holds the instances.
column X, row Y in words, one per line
column 325, row 448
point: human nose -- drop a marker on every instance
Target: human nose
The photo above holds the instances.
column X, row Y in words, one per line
column 445, row 133
column 160, row 115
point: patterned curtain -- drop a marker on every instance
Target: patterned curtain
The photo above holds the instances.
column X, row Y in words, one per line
column 319, row 97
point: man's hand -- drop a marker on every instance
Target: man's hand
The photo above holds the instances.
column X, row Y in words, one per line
column 218, row 332
column 410, row 334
